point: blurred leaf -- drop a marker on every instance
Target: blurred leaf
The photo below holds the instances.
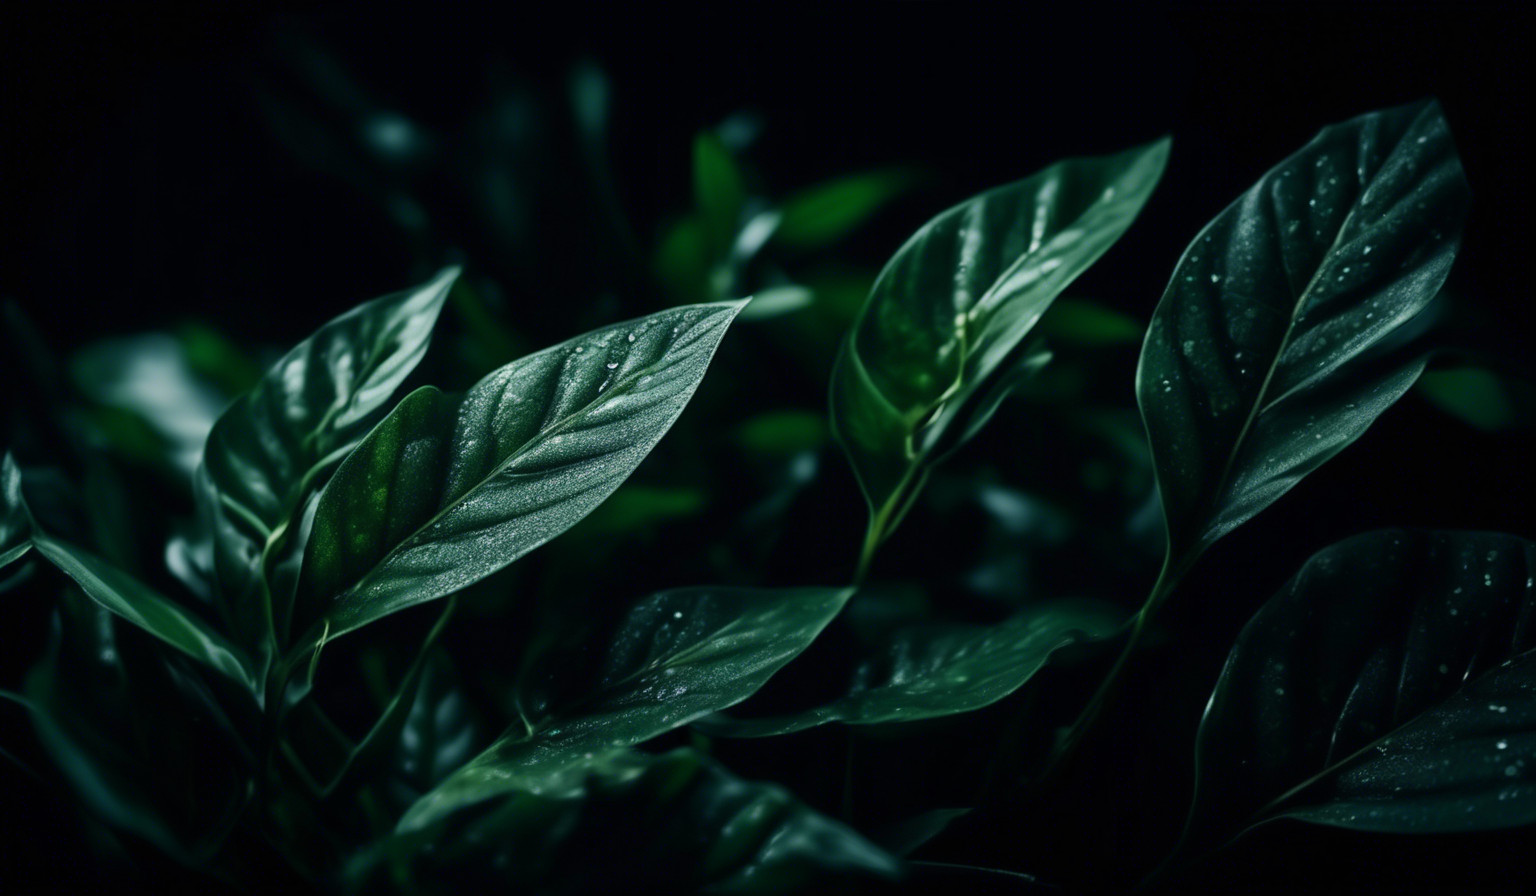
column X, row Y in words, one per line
column 1390, row 686
column 717, row 191
column 217, row 360
column 150, row 377
column 1256, row 367
column 683, row 261
column 446, row 491
column 923, row 361
column 14, row 526
column 679, row 655
column 777, row 300
column 928, row 671
column 622, row 821
column 783, row 432
column 273, row 447
column 827, row 212
column 1474, row 395
column 638, row 507
column 1081, row 322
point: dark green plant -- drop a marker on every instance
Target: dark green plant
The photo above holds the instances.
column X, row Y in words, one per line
column 262, row 708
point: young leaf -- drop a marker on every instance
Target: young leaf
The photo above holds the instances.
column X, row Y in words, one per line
column 1390, row 686
column 948, row 311
column 937, row 670
column 624, row 821
column 274, row 444
column 679, row 655
column 1255, row 368
column 826, row 212
column 446, row 491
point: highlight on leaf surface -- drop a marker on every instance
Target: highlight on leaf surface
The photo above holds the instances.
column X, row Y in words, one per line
column 446, row 490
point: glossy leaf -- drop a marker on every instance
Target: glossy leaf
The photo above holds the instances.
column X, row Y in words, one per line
column 824, row 213
column 1390, row 686
column 679, row 655
column 625, row 821
column 447, row 490
column 130, row 599
column 1258, row 363
column 928, row 671
column 276, row 443
column 948, row 311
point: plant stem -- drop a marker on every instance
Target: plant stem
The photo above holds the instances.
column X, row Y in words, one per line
column 1167, row 578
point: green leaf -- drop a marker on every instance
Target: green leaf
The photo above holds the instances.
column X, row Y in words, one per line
column 446, row 491
column 150, row 377
column 1390, row 686
column 947, row 313
column 777, row 300
column 783, row 432
column 820, row 215
column 717, row 190
column 638, row 507
column 679, row 656
column 624, row 821
column 933, row 670
column 1475, row 395
column 14, row 525
column 275, row 445
column 1257, row 365
column 129, row 598
column 1081, row 322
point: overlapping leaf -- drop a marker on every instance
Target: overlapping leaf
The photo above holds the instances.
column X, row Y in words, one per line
column 447, row 490
column 1390, row 686
column 679, row 655
column 1258, row 364
column 950, row 308
column 619, row 820
column 276, row 443
column 928, row 671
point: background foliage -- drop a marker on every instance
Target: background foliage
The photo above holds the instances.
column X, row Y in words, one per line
column 226, row 183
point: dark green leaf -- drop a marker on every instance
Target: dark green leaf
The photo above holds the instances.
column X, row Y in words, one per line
column 131, row 599
column 1256, row 368
column 717, row 190
column 623, row 821
column 1081, row 322
column 1475, row 395
column 1390, row 686
column 929, row 671
column 680, row 655
column 639, row 507
column 783, row 432
column 446, row 491
column 14, row 527
column 825, row 213
column 946, row 315
column 273, row 447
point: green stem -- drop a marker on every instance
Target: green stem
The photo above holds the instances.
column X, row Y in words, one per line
column 1167, row 578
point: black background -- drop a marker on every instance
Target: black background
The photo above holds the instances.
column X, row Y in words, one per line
column 142, row 186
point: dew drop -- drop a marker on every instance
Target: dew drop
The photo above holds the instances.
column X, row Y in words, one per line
column 611, row 365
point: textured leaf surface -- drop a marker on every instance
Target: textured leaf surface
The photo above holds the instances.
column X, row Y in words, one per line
column 273, row 445
column 938, row 670
column 1257, row 366
column 626, row 821
column 951, row 306
column 447, row 490
column 680, row 655
column 1390, row 686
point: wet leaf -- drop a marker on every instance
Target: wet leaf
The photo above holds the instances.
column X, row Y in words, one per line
column 1258, row 364
column 1390, row 686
